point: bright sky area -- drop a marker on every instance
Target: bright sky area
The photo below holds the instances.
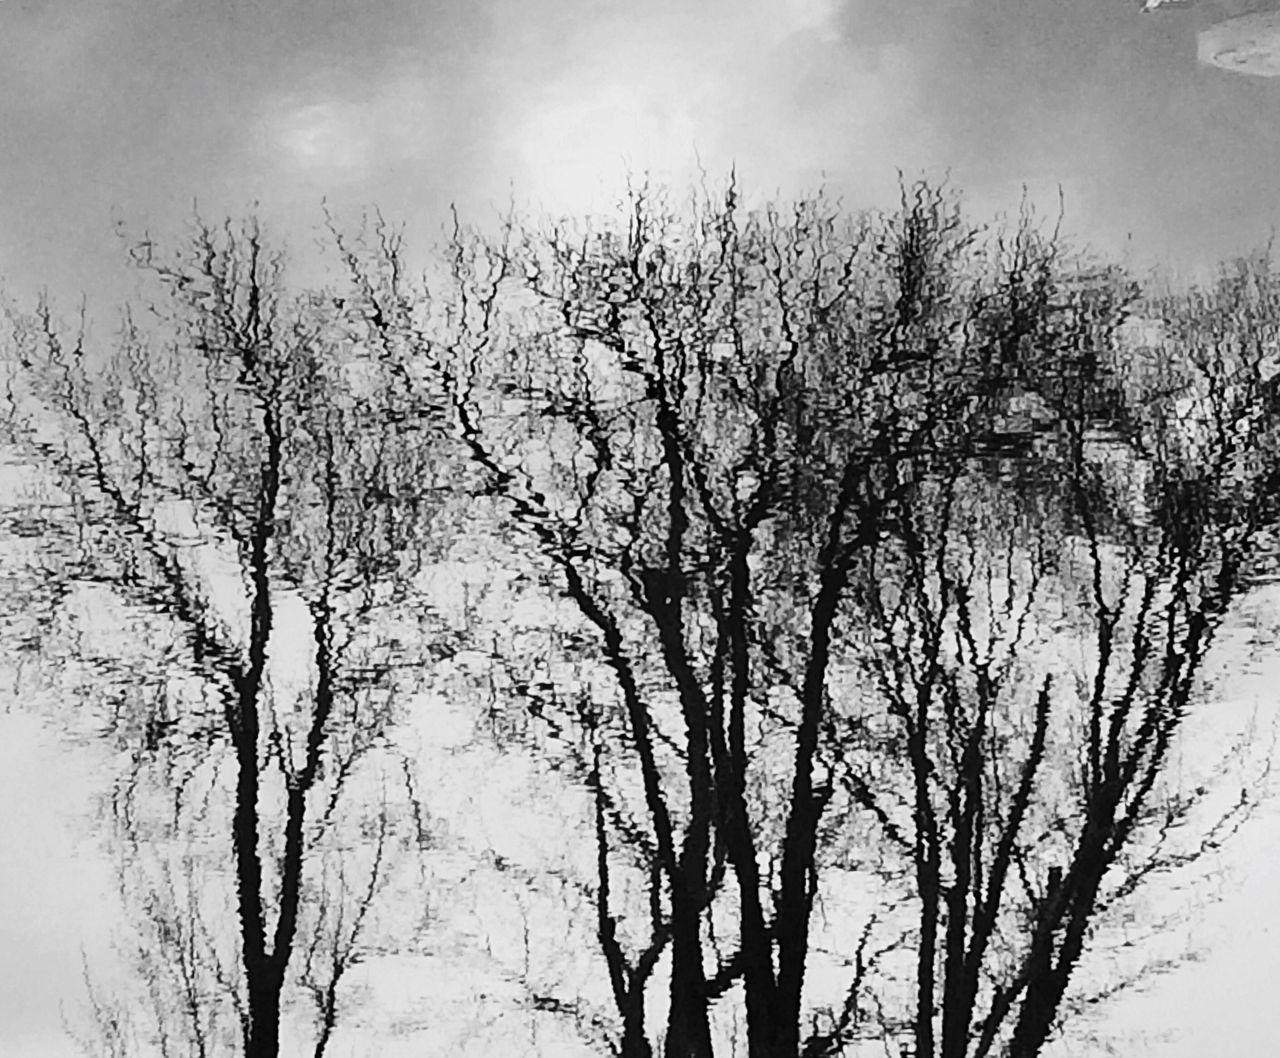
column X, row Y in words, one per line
column 131, row 110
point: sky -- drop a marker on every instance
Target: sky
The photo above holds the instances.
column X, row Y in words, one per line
column 135, row 112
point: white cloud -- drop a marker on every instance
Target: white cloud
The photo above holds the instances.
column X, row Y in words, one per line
column 657, row 94
column 342, row 133
column 814, row 16
column 324, row 135
column 575, row 149
column 760, row 85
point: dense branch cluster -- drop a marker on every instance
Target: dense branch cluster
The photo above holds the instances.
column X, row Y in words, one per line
column 854, row 574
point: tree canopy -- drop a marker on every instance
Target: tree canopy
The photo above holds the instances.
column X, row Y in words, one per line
column 851, row 575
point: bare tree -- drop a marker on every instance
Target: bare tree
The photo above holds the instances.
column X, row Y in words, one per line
column 238, row 483
column 856, row 572
column 1036, row 652
column 779, row 464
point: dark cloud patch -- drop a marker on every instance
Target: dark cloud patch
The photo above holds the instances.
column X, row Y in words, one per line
column 1095, row 96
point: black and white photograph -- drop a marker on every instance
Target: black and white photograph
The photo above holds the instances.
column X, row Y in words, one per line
column 652, row 529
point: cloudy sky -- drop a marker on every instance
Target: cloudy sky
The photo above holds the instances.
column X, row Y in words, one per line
column 132, row 110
